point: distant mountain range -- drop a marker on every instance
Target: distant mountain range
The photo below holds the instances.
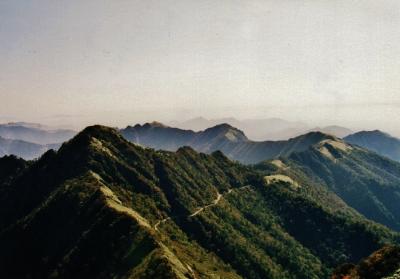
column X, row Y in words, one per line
column 30, row 140
column 34, row 133
column 231, row 141
column 377, row 141
column 256, row 129
column 23, row 149
column 102, row 207
column 262, row 129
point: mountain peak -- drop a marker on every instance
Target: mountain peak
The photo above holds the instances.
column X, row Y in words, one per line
column 156, row 124
column 328, row 145
column 226, row 130
column 148, row 125
column 318, row 136
column 377, row 141
column 378, row 133
column 97, row 132
column 335, row 130
column 222, row 126
column 322, row 138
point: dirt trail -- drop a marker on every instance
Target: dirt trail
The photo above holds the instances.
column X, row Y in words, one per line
column 161, row 221
column 198, row 211
column 215, row 202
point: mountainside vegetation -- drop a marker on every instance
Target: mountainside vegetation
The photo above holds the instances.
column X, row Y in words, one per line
column 382, row 264
column 102, row 207
column 364, row 180
column 11, row 166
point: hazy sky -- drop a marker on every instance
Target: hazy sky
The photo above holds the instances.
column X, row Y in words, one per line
column 117, row 62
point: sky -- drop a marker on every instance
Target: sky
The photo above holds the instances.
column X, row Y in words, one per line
column 80, row 62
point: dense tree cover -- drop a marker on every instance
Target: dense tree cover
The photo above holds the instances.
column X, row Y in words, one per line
column 332, row 237
column 363, row 180
column 10, row 167
column 102, row 207
column 384, row 263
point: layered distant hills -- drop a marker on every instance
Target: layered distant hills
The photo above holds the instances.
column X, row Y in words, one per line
column 256, row 129
column 29, row 140
column 262, row 129
column 35, row 133
column 102, row 207
column 230, row 140
column 24, row 149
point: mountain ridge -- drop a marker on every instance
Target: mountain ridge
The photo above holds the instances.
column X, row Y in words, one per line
column 378, row 141
column 230, row 140
column 335, row 130
column 365, row 180
column 256, row 129
column 119, row 192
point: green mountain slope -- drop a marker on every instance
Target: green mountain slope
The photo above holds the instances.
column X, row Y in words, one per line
column 364, row 180
column 377, row 141
column 102, row 207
